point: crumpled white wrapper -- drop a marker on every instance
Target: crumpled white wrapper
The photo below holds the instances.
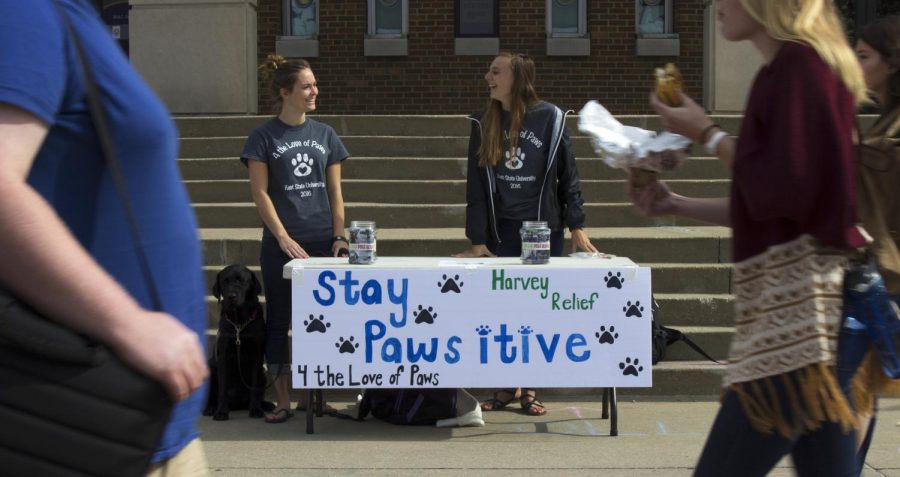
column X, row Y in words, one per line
column 623, row 146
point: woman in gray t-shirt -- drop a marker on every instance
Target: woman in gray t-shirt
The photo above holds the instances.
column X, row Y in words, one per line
column 295, row 178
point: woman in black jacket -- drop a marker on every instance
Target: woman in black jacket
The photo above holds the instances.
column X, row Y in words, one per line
column 521, row 168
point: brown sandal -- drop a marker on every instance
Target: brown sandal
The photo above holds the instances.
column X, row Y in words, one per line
column 495, row 403
column 531, row 404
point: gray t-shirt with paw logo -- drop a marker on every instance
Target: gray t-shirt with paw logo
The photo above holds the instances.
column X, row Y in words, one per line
column 297, row 157
column 520, row 172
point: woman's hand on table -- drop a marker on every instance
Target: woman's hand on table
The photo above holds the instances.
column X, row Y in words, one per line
column 474, row 252
column 291, row 248
column 580, row 241
column 340, row 248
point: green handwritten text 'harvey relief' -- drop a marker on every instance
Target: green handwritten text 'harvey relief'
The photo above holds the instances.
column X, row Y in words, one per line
column 501, row 282
column 572, row 303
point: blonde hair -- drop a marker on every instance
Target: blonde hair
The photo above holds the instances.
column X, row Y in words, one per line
column 523, row 97
column 817, row 23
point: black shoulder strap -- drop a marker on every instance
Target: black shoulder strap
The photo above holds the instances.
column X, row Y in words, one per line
column 674, row 335
column 101, row 125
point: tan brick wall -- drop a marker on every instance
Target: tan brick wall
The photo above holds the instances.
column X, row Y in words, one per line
column 432, row 80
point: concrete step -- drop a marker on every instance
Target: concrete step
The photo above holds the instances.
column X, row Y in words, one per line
column 679, row 310
column 377, row 125
column 666, row 277
column 676, row 378
column 428, row 215
column 715, row 340
column 384, row 146
column 700, row 245
column 418, row 168
column 439, row 191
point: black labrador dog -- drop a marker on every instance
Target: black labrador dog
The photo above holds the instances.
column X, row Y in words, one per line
column 237, row 378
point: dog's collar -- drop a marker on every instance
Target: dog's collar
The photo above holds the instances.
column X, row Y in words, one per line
column 239, row 328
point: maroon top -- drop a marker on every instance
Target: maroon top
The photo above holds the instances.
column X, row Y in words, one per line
column 794, row 167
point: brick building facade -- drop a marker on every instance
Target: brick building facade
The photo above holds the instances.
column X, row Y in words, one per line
column 432, row 79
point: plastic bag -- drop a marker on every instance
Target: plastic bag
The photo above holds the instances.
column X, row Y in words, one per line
column 626, row 147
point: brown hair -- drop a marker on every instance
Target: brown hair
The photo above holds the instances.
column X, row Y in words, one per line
column 280, row 73
column 883, row 35
column 523, row 97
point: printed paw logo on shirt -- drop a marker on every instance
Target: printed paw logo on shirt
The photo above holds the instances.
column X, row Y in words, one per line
column 302, row 165
column 515, row 160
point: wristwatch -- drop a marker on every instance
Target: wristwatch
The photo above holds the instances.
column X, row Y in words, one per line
column 339, row 238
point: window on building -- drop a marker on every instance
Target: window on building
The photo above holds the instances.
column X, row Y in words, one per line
column 387, row 18
column 301, row 18
column 566, row 18
column 655, row 35
column 477, row 18
column 654, row 17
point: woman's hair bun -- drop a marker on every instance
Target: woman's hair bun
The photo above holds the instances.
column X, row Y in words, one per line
column 272, row 62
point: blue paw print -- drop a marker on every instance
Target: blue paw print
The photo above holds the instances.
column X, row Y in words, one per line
column 525, row 330
column 483, row 330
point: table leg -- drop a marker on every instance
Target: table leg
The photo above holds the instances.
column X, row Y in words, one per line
column 614, row 421
column 309, row 411
column 605, row 413
column 320, row 403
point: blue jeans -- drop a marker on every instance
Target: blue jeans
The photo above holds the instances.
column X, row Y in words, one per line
column 735, row 449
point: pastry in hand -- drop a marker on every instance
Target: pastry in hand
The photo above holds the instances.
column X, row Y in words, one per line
column 668, row 85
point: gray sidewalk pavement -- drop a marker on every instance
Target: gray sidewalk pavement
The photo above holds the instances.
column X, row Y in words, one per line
column 655, row 438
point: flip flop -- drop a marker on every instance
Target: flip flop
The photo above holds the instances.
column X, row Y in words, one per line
column 279, row 416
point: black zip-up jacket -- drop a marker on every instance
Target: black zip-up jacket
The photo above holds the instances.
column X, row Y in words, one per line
column 560, row 201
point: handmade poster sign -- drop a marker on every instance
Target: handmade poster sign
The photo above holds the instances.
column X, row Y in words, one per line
column 406, row 322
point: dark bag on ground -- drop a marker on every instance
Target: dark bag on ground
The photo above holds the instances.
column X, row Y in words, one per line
column 409, row 406
column 69, row 406
column 662, row 337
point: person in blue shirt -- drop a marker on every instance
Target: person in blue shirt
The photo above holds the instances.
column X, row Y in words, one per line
column 65, row 247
